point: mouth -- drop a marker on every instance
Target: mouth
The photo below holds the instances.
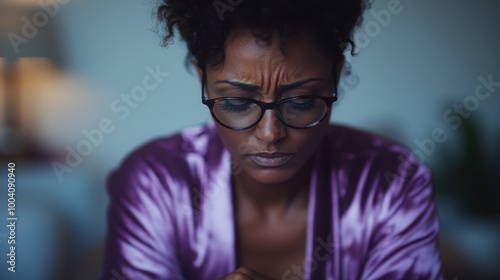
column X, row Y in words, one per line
column 270, row 160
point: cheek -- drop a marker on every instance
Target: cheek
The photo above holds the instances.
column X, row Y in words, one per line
column 307, row 141
column 238, row 143
column 306, row 147
column 307, row 144
column 232, row 140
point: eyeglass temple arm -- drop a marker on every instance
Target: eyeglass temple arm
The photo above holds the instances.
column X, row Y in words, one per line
column 203, row 81
column 334, row 70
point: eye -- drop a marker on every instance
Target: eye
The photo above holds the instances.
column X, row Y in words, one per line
column 234, row 105
column 302, row 104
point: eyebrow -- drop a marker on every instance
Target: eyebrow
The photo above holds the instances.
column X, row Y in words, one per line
column 251, row 87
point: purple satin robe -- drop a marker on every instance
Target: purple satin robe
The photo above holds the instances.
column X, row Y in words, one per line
column 371, row 211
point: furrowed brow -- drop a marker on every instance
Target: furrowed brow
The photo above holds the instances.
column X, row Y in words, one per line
column 297, row 84
column 241, row 85
column 251, row 87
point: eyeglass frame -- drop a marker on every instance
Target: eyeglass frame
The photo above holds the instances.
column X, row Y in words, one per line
column 264, row 106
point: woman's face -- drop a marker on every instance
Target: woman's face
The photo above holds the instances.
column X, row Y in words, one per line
column 270, row 152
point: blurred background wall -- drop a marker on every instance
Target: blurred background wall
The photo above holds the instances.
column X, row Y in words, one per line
column 427, row 74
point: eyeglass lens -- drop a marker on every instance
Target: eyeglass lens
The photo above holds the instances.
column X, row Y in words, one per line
column 300, row 112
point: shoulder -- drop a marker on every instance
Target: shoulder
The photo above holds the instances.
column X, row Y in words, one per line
column 357, row 143
column 374, row 167
column 359, row 148
column 165, row 161
column 191, row 140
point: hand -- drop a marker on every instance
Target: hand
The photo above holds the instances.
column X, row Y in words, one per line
column 244, row 273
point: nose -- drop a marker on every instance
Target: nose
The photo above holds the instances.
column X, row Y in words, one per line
column 270, row 129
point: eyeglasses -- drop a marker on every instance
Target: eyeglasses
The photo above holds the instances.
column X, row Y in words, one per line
column 238, row 113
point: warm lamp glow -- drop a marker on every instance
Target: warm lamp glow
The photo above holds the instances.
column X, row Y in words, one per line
column 51, row 101
column 22, row 3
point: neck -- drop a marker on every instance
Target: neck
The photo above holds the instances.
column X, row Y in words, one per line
column 267, row 198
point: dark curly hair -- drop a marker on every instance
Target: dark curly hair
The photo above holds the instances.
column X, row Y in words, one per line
column 205, row 24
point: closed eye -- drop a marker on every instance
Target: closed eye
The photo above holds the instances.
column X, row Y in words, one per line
column 301, row 104
column 234, row 105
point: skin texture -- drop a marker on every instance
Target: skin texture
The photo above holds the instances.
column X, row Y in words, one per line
column 271, row 203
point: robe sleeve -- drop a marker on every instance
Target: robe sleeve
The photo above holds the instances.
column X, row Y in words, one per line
column 404, row 242
column 140, row 237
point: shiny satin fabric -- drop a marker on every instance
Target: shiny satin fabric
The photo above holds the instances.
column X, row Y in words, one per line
column 371, row 211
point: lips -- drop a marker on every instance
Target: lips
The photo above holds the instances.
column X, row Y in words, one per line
column 270, row 160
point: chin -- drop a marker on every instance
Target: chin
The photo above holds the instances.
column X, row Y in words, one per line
column 271, row 176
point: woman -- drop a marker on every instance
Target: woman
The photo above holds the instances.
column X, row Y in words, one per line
column 269, row 189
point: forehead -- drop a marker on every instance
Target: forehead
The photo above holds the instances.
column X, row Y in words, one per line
column 247, row 54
